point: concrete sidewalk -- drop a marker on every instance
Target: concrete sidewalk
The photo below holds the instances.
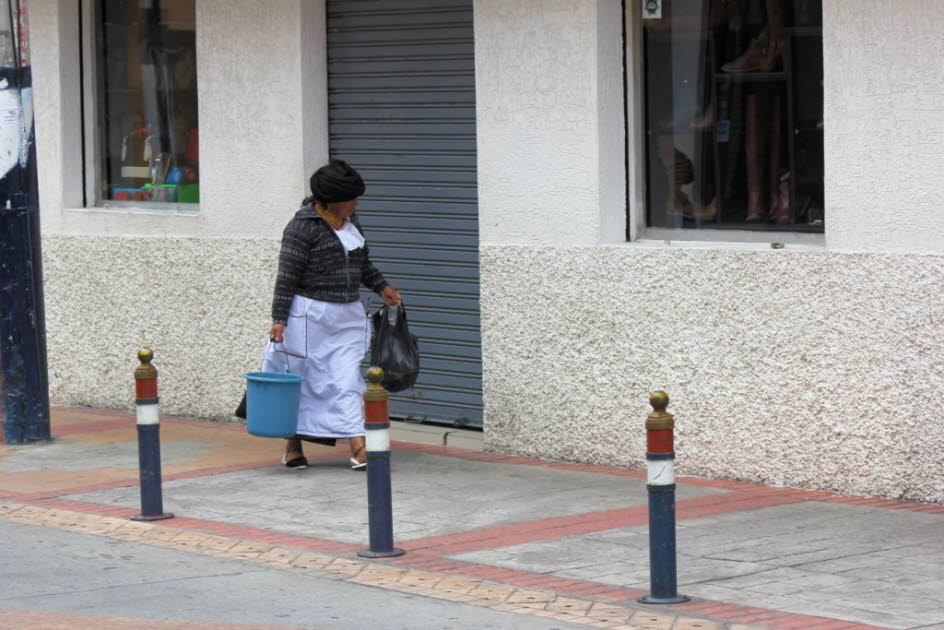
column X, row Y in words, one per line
column 522, row 536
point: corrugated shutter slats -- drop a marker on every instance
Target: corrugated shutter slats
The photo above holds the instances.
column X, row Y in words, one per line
column 401, row 95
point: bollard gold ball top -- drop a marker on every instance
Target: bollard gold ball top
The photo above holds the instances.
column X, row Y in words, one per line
column 659, row 400
column 375, row 375
column 659, row 419
column 146, row 369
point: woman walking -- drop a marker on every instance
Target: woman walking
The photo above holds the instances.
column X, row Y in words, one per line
column 319, row 327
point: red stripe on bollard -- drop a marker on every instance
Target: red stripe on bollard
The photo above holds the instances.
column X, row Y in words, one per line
column 146, row 388
column 659, row 441
column 375, row 411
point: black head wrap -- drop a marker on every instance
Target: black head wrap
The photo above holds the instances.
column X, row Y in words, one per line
column 335, row 182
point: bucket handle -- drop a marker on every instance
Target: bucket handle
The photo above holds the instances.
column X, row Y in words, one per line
column 275, row 348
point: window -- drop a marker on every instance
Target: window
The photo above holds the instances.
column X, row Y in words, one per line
column 145, row 101
column 734, row 114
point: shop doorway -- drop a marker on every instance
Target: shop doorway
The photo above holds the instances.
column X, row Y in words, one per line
column 401, row 97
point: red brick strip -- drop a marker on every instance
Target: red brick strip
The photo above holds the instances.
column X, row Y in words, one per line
column 588, row 523
column 723, row 484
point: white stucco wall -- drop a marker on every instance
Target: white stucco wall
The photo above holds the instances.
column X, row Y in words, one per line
column 549, row 93
column 815, row 366
column 262, row 115
column 884, row 124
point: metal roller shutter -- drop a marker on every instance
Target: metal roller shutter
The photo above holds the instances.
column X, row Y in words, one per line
column 401, row 95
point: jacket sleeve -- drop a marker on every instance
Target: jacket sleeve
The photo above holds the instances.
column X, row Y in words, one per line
column 293, row 258
column 370, row 275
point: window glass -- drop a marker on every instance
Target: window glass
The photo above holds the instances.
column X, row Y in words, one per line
column 734, row 114
column 147, row 101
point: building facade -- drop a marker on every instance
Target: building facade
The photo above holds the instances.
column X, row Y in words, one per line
column 577, row 180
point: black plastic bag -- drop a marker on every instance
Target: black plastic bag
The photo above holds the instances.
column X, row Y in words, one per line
column 241, row 408
column 394, row 350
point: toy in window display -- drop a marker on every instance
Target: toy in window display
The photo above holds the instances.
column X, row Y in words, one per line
column 136, row 150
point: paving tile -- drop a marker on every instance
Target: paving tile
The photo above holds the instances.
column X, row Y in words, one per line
column 421, row 578
column 160, row 534
column 249, row 549
column 568, row 604
column 493, row 593
column 609, row 612
column 652, row 621
column 696, row 624
column 457, row 585
column 279, row 555
column 342, row 566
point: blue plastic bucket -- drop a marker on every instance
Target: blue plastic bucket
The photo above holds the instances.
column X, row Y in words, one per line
column 272, row 403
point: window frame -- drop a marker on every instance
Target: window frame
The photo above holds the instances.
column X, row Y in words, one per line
column 90, row 86
column 637, row 197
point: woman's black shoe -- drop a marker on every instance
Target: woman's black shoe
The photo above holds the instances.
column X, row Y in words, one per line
column 296, row 462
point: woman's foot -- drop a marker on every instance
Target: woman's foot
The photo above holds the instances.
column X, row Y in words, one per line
column 294, row 457
column 756, row 210
column 706, row 120
column 709, row 212
column 763, row 55
column 358, row 454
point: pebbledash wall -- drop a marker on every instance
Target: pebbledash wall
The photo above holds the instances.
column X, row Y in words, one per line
column 818, row 365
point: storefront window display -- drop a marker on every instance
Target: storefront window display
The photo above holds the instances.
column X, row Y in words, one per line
column 734, row 114
column 147, row 100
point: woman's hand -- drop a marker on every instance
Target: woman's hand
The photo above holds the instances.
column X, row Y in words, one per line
column 391, row 296
column 275, row 333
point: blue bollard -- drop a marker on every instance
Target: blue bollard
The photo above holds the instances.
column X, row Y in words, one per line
column 660, row 463
column 379, row 493
column 149, row 440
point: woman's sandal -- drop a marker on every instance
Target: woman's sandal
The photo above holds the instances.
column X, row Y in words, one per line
column 297, row 463
column 294, row 457
column 356, row 465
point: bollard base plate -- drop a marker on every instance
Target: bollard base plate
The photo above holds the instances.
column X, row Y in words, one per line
column 678, row 599
column 367, row 553
column 152, row 517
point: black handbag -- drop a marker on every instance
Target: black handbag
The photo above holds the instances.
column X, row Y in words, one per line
column 395, row 350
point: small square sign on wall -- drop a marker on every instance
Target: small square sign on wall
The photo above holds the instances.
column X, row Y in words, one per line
column 651, row 9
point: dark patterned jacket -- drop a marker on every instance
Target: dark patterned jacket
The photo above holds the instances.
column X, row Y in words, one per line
column 313, row 264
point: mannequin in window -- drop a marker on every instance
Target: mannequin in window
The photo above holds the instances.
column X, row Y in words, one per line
column 764, row 121
column 679, row 171
column 764, row 52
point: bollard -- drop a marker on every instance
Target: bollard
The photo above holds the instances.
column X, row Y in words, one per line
column 660, row 463
column 149, row 439
column 379, row 504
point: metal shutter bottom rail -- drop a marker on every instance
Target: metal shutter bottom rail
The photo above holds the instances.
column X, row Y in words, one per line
column 401, row 97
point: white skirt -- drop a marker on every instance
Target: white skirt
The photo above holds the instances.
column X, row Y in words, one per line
column 325, row 343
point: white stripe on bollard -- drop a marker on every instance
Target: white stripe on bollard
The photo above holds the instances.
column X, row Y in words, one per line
column 661, row 472
column 377, row 440
column 148, row 414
